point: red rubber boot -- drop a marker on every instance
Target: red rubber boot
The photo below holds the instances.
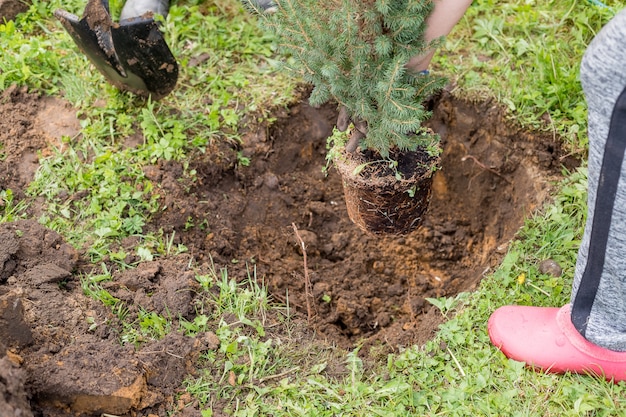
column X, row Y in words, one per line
column 546, row 339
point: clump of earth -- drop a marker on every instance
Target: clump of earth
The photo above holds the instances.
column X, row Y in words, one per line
column 367, row 291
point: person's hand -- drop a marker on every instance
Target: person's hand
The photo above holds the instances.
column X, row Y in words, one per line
column 359, row 131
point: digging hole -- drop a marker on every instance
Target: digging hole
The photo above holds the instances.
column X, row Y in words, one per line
column 364, row 289
column 370, row 288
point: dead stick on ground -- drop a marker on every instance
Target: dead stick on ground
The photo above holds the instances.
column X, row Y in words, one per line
column 307, row 282
column 483, row 166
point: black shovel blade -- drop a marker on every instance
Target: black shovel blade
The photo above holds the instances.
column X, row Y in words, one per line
column 132, row 55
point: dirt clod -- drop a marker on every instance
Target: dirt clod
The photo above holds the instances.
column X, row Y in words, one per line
column 14, row 331
column 13, row 398
column 11, row 8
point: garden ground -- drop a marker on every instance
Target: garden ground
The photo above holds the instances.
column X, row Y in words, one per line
column 151, row 262
column 365, row 291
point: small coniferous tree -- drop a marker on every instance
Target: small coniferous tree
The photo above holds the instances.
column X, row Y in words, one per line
column 355, row 52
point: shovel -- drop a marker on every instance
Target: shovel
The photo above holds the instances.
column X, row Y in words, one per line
column 131, row 54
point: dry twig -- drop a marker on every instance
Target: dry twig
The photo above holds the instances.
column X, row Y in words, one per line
column 485, row 167
column 307, row 281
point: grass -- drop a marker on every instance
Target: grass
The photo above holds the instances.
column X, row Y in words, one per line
column 521, row 53
column 11, row 210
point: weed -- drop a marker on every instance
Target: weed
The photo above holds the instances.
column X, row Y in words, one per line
column 92, row 288
column 447, row 304
column 10, row 210
column 109, row 197
column 152, row 324
column 163, row 139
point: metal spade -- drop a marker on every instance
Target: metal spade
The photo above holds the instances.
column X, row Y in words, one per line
column 131, row 54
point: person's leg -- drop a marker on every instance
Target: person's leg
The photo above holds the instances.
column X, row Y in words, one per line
column 590, row 334
column 445, row 15
column 599, row 290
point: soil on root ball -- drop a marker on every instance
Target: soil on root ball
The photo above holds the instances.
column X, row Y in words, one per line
column 385, row 199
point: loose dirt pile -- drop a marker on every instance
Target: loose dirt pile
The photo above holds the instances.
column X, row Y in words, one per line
column 365, row 290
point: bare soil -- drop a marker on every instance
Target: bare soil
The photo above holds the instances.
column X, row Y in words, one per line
column 365, row 290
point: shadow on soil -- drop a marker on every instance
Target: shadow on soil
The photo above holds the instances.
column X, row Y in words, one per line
column 365, row 290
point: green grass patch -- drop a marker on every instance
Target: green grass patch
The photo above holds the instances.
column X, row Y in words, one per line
column 10, row 209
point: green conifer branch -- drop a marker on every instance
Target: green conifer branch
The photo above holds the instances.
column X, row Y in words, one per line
column 354, row 52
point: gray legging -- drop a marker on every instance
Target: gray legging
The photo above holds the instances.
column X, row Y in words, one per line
column 599, row 290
